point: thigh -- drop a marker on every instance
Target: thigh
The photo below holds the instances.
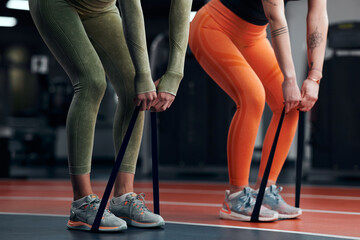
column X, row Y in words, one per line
column 262, row 59
column 62, row 30
column 106, row 33
column 223, row 61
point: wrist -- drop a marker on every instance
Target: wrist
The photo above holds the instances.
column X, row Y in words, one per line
column 143, row 83
column 290, row 79
column 315, row 73
column 170, row 82
column 317, row 80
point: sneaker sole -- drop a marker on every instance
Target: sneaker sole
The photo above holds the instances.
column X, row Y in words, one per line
column 290, row 216
column 134, row 223
column 225, row 214
column 86, row 227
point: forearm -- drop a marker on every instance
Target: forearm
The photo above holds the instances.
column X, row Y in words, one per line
column 317, row 27
column 282, row 48
column 134, row 31
column 280, row 38
column 179, row 20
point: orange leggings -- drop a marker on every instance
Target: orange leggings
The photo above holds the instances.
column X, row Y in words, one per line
column 239, row 58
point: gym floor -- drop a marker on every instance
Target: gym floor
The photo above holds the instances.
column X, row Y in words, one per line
column 38, row 209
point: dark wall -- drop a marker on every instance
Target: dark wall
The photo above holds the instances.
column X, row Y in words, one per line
column 336, row 116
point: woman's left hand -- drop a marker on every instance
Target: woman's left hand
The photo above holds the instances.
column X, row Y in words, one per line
column 163, row 100
column 309, row 95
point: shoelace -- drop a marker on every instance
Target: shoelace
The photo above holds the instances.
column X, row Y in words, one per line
column 275, row 192
column 139, row 202
column 248, row 199
column 95, row 204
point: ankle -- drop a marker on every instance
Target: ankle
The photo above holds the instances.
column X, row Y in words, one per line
column 81, row 195
column 81, row 185
column 124, row 184
column 123, row 191
column 121, row 198
column 235, row 189
column 258, row 183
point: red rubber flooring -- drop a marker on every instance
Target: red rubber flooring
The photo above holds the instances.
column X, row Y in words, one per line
column 328, row 211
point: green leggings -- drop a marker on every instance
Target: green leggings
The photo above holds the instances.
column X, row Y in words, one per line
column 87, row 46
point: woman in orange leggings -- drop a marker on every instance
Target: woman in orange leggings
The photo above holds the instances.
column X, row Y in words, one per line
column 228, row 38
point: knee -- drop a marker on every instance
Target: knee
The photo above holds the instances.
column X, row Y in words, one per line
column 97, row 84
column 125, row 94
column 98, row 88
column 91, row 91
column 126, row 102
column 254, row 102
column 258, row 101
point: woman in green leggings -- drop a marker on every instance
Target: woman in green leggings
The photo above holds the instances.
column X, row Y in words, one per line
column 88, row 40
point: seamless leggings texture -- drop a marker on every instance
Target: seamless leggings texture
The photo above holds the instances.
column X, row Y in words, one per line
column 240, row 59
column 88, row 42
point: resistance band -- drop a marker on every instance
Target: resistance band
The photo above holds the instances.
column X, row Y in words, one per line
column 115, row 170
column 155, row 163
column 300, row 156
column 260, row 196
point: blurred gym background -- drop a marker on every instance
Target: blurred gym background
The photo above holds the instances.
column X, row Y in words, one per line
column 35, row 94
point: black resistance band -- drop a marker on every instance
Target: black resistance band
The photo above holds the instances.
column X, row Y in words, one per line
column 115, row 170
column 260, row 196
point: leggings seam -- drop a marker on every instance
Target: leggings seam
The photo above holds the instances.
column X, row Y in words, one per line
column 112, row 62
column 86, row 76
column 238, row 96
column 123, row 83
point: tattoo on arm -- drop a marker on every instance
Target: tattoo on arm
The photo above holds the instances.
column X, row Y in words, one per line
column 270, row 2
column 279, row 31
column 314, row 40
column 312, row 68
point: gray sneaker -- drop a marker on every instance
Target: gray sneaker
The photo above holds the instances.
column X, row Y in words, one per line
column 82, row 216
column 239, row 206
column 275, row 202
column 134, row 211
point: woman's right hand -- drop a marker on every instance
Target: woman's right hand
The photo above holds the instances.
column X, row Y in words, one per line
column 291, row 93
column 145, row 100
column 309, row 92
